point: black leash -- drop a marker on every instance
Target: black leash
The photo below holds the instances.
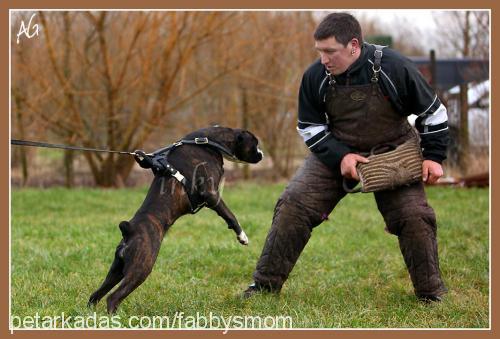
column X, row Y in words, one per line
column 196, row 141
column 75, row 148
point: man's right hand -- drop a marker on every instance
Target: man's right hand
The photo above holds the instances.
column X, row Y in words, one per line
column 348, row 165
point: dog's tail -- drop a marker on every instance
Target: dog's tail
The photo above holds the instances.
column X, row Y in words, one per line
column 126, row 229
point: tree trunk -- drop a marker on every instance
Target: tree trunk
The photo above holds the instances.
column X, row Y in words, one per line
column 69, row 175
column 244, row 121
column 464, row 130
column 114, row 172
column 464, row 104
column 20, row 126
column 105, row 177
column 68, row 155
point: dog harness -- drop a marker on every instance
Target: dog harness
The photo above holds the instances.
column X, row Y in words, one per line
column 159, row 164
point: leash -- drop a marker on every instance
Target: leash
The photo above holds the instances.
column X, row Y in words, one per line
column 196, row 141
column 74, row 148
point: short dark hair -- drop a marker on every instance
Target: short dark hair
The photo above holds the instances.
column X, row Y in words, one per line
column 343, row 26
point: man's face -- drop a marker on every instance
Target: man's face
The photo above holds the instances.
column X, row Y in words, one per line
column 334, row 56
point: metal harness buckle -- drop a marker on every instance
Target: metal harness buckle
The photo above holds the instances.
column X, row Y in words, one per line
column 376, row 67
column 331, row 80
column 201, row 141
column 375, row 73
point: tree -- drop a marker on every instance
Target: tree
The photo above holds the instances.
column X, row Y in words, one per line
column 22, row 119
column 272, row 49
column 110, row 78
column 271, row 83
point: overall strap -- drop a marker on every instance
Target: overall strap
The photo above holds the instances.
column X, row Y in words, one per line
column 377, row 61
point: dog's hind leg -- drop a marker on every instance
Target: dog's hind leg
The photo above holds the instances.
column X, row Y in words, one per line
column 128, row 285
column 114, row 276
column 139, row 258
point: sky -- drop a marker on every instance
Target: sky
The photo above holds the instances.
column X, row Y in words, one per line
column 422, row 21
column 426, row 26
column 423, row 18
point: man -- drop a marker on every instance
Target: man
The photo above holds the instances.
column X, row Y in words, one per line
column 357, row 96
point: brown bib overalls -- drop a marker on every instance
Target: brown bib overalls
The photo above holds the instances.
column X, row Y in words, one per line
column 360, row 117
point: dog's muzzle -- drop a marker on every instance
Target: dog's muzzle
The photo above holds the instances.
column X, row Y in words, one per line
column 260, row 152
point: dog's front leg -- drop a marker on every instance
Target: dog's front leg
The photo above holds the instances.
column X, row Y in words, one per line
column 217, row 204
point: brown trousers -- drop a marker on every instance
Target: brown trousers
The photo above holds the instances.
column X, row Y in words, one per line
column 309, row 198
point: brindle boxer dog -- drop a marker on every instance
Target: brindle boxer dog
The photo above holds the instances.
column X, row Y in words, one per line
column 167, row 200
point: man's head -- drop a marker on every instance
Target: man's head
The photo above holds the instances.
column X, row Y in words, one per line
column 338, row 40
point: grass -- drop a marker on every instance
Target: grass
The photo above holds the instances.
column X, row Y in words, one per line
column 350, row 275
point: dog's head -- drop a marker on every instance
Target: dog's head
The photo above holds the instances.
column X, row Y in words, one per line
column 247, row 147
column 241, row 143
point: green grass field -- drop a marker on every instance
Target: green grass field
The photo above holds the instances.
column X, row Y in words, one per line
column 350, row 275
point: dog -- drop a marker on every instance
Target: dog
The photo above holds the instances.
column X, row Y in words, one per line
column 167, row 200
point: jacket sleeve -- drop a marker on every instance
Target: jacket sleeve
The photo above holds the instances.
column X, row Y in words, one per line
column 434, row 134
column 313, row 122
column 432, row 118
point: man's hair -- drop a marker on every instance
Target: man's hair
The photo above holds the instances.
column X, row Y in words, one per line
column 343, row 26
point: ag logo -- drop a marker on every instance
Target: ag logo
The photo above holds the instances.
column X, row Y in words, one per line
column 358, row 96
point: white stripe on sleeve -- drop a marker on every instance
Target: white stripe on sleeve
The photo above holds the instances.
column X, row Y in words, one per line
column 309, row 132
column 436, row 118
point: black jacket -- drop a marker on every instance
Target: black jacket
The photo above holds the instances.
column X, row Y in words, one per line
column 400, row 81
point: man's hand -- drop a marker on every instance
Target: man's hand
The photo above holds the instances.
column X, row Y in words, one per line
column 431, row 171
column 348, row 165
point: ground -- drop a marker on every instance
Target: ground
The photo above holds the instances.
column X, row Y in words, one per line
column 350, row 275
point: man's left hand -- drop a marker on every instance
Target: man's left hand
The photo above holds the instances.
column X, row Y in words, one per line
column 431, row 171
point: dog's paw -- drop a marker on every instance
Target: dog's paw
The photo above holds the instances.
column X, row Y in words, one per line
column 242, row 238
column 93, row 300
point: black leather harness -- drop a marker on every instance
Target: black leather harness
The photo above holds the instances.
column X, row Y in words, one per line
column 159, row 164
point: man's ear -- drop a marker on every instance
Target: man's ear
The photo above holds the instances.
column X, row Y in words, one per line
column 355, row 43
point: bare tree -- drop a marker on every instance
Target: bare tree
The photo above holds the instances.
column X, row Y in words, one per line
column 111, row 78
column 23, row 119
column 271, row 83
column 272, row 49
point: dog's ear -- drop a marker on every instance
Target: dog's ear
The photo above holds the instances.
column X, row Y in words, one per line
column 126, row 229
column 240, row 137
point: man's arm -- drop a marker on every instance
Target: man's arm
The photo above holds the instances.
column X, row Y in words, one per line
column 313, row 122
column 432, row 117
column 328, row 149
column 434, row 133
column 431, row 123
